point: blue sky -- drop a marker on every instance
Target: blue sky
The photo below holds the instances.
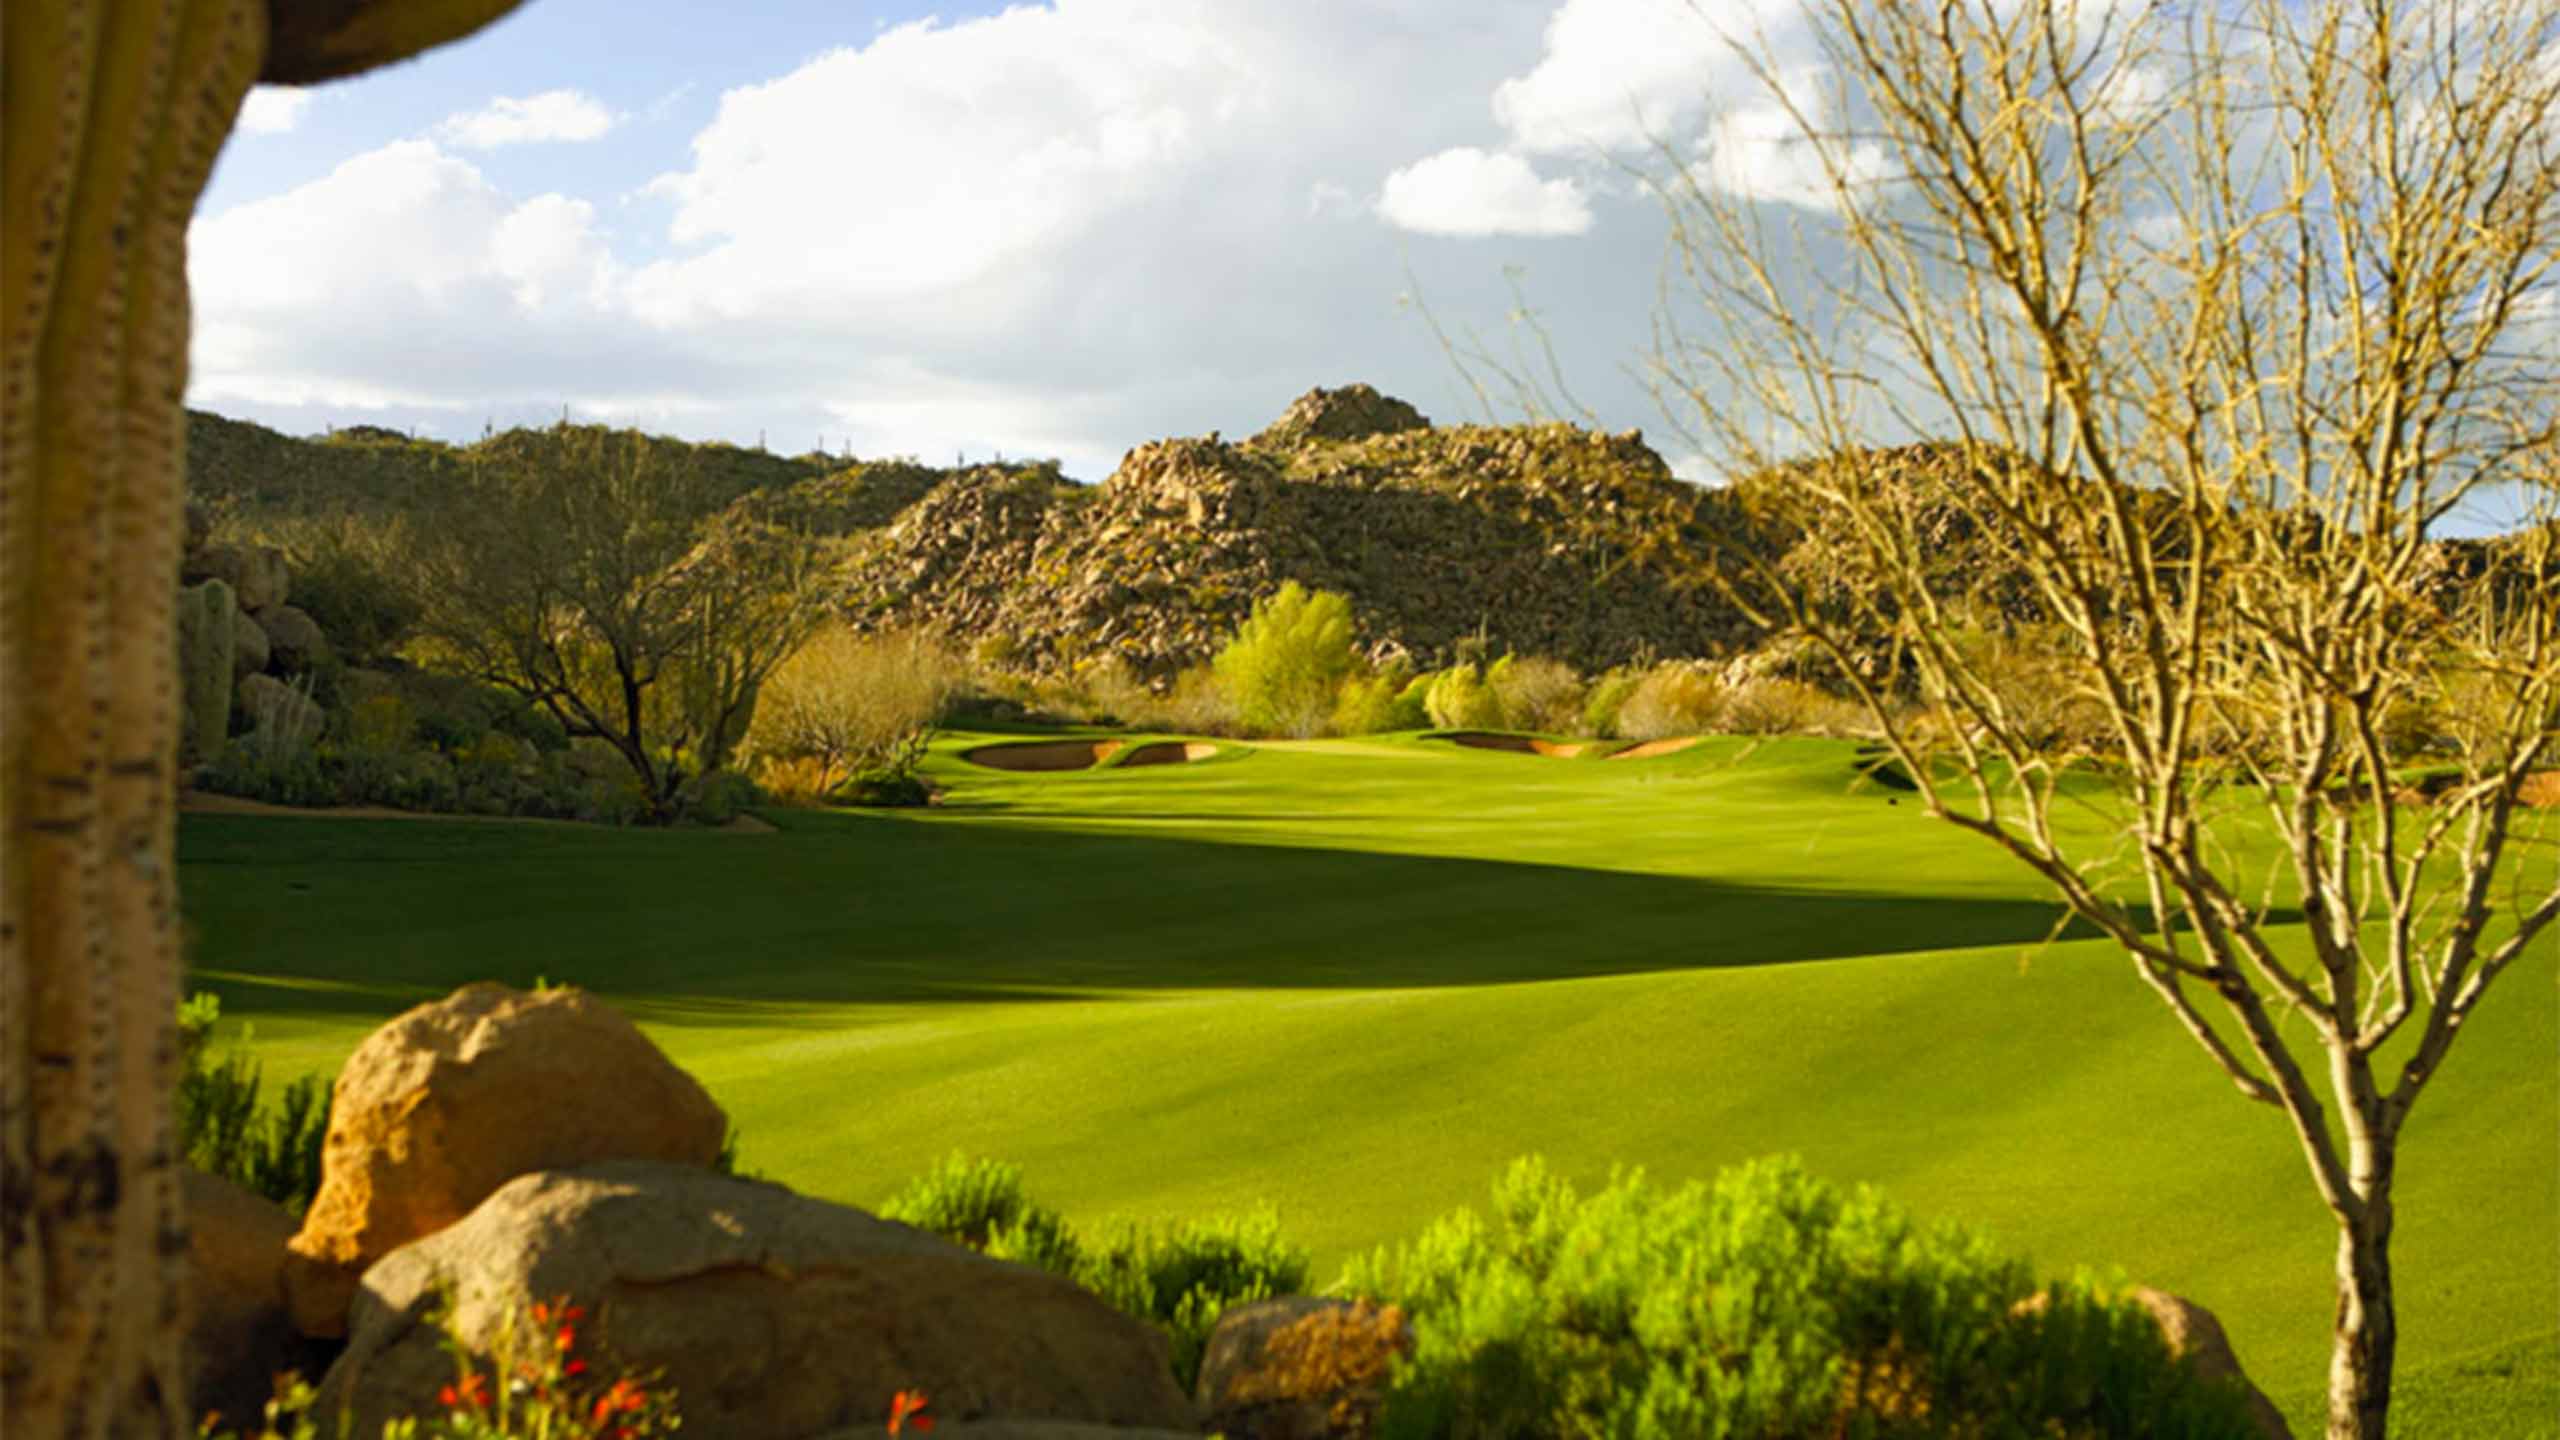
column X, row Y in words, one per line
column 933, row 230
column 938, row 230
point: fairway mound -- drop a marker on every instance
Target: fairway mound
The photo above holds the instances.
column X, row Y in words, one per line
column 1514, row 744
column 1650, row 748
column 1170, row 752
column 1044, row 754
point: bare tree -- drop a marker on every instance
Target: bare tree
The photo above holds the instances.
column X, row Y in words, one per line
column 2212, row 316
column 589, row 571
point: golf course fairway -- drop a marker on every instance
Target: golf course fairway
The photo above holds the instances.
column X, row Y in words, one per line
column 1355, row 978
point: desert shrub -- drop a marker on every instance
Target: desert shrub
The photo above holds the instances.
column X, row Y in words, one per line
column 1367, row 704
column 609, row 800
column 1673, row 698
column 1288, row 660
column 1413, row 703
column 225, row 1130
column 1184, row 1276
column 1460, row 700
column 717, row 798
column 2049, row 706
column 855, row 703
column 997, row 651
column 349, row 576
column 1769, row 1304
column 276, row 759
column 1196, row 704
column 488, row 774
column 971, row 1202
column 1537, row 693
column 1607, row 696
column 1769, row 705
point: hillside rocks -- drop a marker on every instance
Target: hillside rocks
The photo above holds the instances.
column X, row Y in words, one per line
column 294, row 641
column 451, row 1100
column 771, row 1316
column 277, row 711
column 1540, row 539
column 251, row 651
column 255, row 573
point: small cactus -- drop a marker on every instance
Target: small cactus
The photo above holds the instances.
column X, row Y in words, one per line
column 206, row 616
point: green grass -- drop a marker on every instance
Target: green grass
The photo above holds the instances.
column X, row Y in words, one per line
column 1355, row 978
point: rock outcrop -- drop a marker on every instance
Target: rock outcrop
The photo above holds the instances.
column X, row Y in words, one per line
column 294, row 641
column 1540, row 539
column 451, row 1100
column 772, row 1316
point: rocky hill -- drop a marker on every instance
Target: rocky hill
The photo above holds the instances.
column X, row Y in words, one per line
column 1542, row 539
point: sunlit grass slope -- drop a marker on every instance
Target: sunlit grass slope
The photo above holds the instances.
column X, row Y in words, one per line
column 1354, row 978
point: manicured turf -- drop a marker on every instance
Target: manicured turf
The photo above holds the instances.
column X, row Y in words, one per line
column 1354, row 978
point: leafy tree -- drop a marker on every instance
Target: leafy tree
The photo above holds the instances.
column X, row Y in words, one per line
column 585, row 570
column 1288, row 660
column 2217, row 315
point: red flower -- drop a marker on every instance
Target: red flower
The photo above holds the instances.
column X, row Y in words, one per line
column 622, row 1399
column 904, row 1412
column 472, row 1393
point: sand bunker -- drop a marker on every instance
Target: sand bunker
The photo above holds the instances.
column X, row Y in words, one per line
column 1044, row 754
column 1170, row 752
column 1651, row 748
column 1514, row 744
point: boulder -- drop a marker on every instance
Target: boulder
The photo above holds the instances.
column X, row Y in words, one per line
column 255, row 573
column 771, row 1316
column 238, row 1335
column 250, row 649
column 272, row 707
column 199, row 527
column 2195, row 1336
column 451, row 1100
column 1299, row 1367
column 294, row 638
column 208, row 625
column 1354, row 412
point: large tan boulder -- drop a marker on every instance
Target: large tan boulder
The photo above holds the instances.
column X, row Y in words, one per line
column 439, row 1108
column 1299, row 1368
column 271, row 704
column 770, row 1315
column 239, row 1336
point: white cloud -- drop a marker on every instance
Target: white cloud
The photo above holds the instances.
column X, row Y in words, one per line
column 1625, row 74
column 273, row 110
column 1466, row 191
column 553, row 115
column 1780, row 148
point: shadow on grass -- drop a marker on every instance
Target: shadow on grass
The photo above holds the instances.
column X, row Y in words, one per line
column 314, row 918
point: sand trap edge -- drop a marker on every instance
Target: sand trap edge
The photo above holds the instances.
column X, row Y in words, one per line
column 1650, row 748
column 1042, row 756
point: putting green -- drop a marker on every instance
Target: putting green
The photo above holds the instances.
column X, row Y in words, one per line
column 1355, row 978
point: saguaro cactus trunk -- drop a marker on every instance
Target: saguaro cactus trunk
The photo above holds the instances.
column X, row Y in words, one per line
column 114, row 111
column 114, row 114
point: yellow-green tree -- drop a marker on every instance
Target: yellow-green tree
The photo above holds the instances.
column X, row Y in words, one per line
column 1288, row 660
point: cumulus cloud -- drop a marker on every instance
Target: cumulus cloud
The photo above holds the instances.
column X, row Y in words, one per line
column 553, row 115
column 1062, row 230
column 273, row 110
column 1767, row 150
column 1466, row 191
column 1626, row 74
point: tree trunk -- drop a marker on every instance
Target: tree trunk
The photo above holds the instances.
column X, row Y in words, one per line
column 114, row 112
column 2367, row 1330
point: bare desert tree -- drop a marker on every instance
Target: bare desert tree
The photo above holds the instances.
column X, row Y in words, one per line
column 2194, row 326
column 588, row 571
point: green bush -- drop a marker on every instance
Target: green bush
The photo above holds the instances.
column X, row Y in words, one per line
column 348, row 578
column 968, row 1201
column 1768, row 1305
column 1185, row 1275
column 1287, row 661
column 1536, row 693
column 1607, row 697
column 222, row 1128
column 1413, row 707
column 1368, row 704
column 1460, row 700
column 717, row 798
